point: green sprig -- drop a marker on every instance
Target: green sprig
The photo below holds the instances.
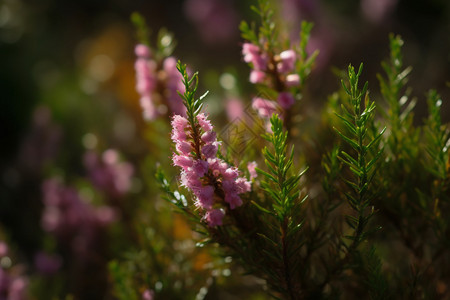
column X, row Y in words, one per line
column 357, row 121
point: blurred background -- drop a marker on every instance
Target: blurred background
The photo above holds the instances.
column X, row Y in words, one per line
column 67, row 78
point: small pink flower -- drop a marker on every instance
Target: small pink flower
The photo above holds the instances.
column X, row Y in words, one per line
column 249, row 48
column 105, row 215
column 170, row 65
column 210, row 151
column 149, row 111
column 287, row 61
column 3, row 249
column 179, row 123
column 183, row 147
column 243, row 185
column 205, row 124
column 229, row 187
column 230, row 173
column 148, row 295
column 205, row 196
column 142, row 50
column 265, row 108
column 182, row 161
column 234, row 109
column 292, row 80
column 190, row 180
column 209, row 137
column 215, row 217
column 200, row 167
column 286, row 100
column 257, row 76
column 233, row 200
column 252, row 54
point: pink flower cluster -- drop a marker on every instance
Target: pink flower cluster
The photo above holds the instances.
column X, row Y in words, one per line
column 70, row 218
column 108, row 173
column 157, row 84
column 274, row 71
column 214, row 183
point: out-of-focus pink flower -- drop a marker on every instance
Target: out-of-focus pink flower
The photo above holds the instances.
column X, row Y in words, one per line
column 148, row 295
column 72, row 220
column 216, row 20
column 3, row 249
column 214, row 217
column 47, row 264
column 157, row 86
column 292, row 80
column 108, row 173
column 265, row 108
column 235, row 109
column 142, row 50
column 285, row 100
column 257, row 76
column 173, row 84
column 17, row 289
column 13, row 286
column 251, row 166
column 253, row 55
column 377, row 10
column 287, row 61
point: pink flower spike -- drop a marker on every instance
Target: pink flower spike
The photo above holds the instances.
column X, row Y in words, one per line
column 215, row 217
column 182, row 161
column 292, row 80
column 257, row 76
column 287, row 62
column 209, row 137
column 286, row 100
column 142, row 50
column 204, row 122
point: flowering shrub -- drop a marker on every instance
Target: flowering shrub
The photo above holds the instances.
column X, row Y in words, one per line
column 285, row 201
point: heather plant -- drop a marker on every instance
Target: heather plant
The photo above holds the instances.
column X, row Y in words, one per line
column 327, row 234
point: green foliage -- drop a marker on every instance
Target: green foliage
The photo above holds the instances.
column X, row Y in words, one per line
column 283, row 189
column 305, row 62
column 437, row 137
column 280, row 186
column 142, row 30
column 267, row 32
column 357, row 121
